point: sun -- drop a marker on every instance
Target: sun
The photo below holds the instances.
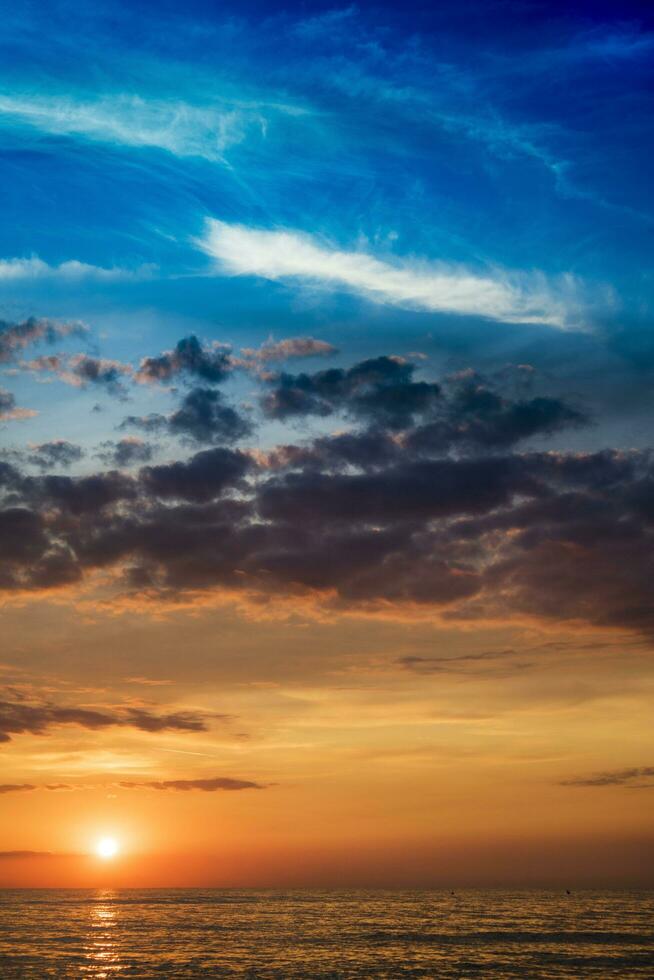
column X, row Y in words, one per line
column 107, row 847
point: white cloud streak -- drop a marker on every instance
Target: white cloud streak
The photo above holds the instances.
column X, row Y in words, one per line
column 178, row 127
column 416, row 284
column 17, row 269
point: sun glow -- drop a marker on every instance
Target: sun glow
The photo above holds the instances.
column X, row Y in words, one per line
column 107, row 847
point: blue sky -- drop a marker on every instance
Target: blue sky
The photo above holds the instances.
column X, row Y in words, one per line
column 506, row 142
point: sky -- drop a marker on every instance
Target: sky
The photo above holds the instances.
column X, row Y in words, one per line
column 326, row 385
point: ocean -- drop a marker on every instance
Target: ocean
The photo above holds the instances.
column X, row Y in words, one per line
column 331, row 935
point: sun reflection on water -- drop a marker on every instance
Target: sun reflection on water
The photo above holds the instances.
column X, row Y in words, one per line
column 101, row 948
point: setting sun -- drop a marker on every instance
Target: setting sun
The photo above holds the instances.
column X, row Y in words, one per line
column 107, row 847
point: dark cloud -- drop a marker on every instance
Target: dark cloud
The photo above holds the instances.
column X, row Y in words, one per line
column 26, row 855
column 212, row 365
column 381, row 388
column 464, row 411
column 189, row 357
column 180, row 721
column 9, row 411
column 552, row 535
column 617, row 777
column 364, row 450
column 24, row 545
column 202, row 478
column 468, row 662
column 19, row 717
column 7, row 402
column 425, row 500
column 147, row 423
column 203, row 416
column 126, row 452
column 84, row 494
column 416, row 491
column 39, row 551
column 474, row 415
column 85, row 370
column 213, row 785
column 30, row 787
column 58, row 453
column 15, row 337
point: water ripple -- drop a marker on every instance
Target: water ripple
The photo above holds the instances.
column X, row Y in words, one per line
column 337, row 935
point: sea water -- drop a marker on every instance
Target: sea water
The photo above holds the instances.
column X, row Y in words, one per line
column 353, row 935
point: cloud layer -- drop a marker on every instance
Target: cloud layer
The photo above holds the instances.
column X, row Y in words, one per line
column 430, row 498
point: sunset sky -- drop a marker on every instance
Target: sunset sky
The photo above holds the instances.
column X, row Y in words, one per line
column 326, row 386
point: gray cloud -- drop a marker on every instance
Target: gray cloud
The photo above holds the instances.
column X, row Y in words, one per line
column 189, row 357
column 456, row 664
column 82, row 370
column 202, row 417
column 218, row 783
column 125, row 452
column 85, row 370
column 212, row 365
column 15, row 337
column 19, row 717
column 380, row 388
column 9, row 411
column 201, row 478
column 631, row 778
column 58, row 453
column 466, row 410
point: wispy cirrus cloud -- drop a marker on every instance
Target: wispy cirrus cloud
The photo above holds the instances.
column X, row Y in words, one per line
column 19, row 269
column 182, row 128
column 418, row 284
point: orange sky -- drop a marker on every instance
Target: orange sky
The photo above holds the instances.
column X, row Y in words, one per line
column 374, row 759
